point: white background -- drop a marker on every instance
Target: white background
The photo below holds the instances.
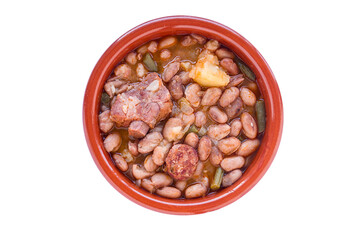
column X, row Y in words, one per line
column 50, row 186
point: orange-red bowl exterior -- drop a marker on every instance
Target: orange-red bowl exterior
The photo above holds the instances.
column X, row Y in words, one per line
column 175, row 25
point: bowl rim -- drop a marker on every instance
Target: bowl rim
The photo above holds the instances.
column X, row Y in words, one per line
column 178, row 25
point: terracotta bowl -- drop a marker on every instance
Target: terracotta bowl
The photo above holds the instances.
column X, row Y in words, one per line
column 177, row 25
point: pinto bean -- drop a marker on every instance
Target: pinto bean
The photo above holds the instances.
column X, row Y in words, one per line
column 105, row 122
column 192, row 140
column 215, row 156
column 161, row 180
column 139, row 172
column 248, row 97
column 140, row 70
column 218, row 132
column 229, row 145
column 176, row 89
column 199, row 169
column 131, row 58
column 224, row 53
column 120, row 162
column 229, row 96
column 167, row 42
column 187, row 41
column 211, row 96
column 148, row 185
column 195, row 190
column 112, row 87
column 123, row 71
column 200, row 119
column 231, row 163
column 236, row 80
column 169, row 192
column 112, row 142
column 204, row 148
column 165, row 54
column 142, row 49
column 187, row 119
column 249, row 125
column 212, row 45
column 217, row 115
column 235, row 127
column 184, row 77
column 160, row 152
column 234, row 109
column 173, row 129
column 149, row 142
column 231, row 177
column 181, row 185
column 138, row 129
column 170, row 70
column 133, row 147
column 153, row 47
column 192, row 94
column 200, row 39
column 229, row 65
column 149, row 164
column 248, row 147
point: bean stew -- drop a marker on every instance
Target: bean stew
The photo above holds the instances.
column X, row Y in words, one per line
column 182, row 116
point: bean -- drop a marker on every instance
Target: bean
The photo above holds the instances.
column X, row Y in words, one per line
column 112, row 87
column 169, row 192
column 160, row 152
column 212, row 45
column 181, row 185
column 191, row 94
column 192, row 140
column 120, row 162
column 204, row 148
column 217, row 115
column 236, row 80
column 161, row 180
column 224, row 53
column 149, row 142
column 170, row 70
column 140, row 70
column 232, row 163
column 105, row 122
column 187, row 41
column 248, row 97
column 211, row 96
column 185, row 106
column 149, row 164
column 165, row 54
column 230, row 66
column 139, row 172
column 219, row 131
column 229, row 96
column 133, row 147
column 153, row 47
column 200, row 119
column 229, row 145
column 246, row 70
column 195, row 190
column 142, row 49
column 199, row 169
column 187, row 119
column 123, row 71
column 173, row 129
column 112, row 142
column 231, row 177
column 148, row 185
column 131, row 58
column 248, row 147
column 176, row 89
column 215, row 156
column 234, row 109
column 200, row 39
column 260, row 115
column 235, row 127
column 249, row 125
column 167, row 42
column 184, row 77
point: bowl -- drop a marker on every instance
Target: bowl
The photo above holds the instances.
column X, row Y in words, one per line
column 178, row 25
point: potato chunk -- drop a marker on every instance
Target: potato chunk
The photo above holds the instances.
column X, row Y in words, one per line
column 207, row 72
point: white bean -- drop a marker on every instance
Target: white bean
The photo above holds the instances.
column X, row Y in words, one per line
column 169, row 192
column 232, row 163
column 195, row 190
column 161, row 180
column 112, row 142
column 231, row 177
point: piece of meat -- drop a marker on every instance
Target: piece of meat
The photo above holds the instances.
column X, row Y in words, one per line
column 181, row 161
column 148, row 101
column 138, row 129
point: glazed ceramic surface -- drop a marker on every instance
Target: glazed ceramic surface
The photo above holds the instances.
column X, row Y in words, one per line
column 177, row 25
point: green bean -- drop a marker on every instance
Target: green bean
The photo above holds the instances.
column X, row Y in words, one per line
column 105, row 99
column 150, row 64
column 202, row 131
column 260, row 115
column 193, row 129
column 185, row 106
column 216, row 182
column 246, row 70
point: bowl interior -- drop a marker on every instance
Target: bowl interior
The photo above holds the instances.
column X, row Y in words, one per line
column 179, row 25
